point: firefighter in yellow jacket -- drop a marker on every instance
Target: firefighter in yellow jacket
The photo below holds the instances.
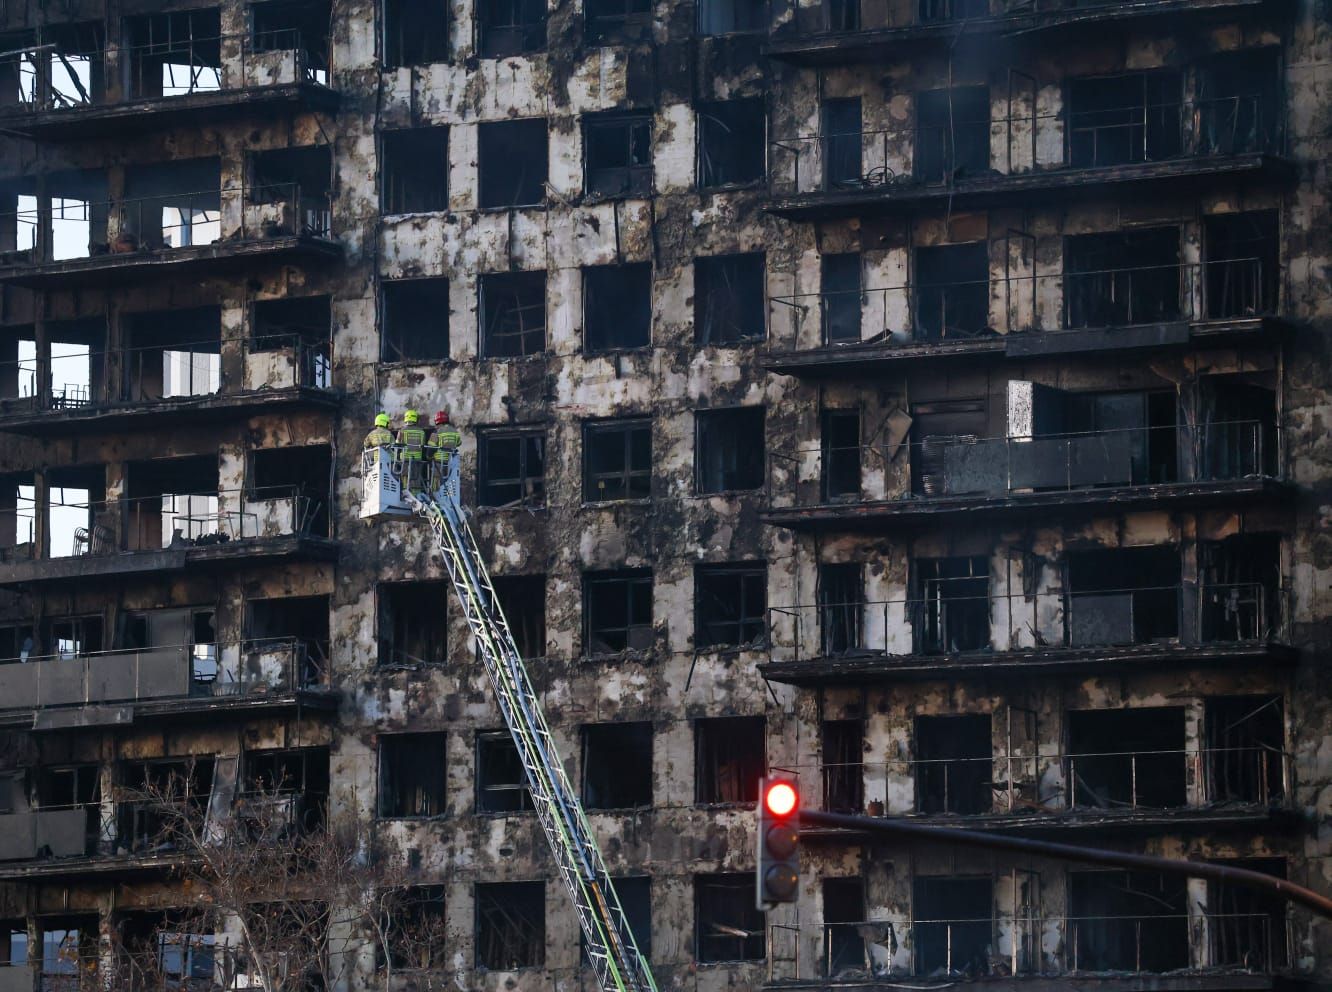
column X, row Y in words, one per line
column 444, row 441
column 380, row 436
column 411, row 440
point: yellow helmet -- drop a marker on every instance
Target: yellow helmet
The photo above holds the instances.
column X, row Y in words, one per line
column 381, row 420
column 410, row 417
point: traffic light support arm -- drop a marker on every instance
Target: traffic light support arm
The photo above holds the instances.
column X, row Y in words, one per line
column 1072, row 852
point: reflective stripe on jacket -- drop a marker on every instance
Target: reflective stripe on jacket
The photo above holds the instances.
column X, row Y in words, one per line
column 443, row 442
column 379, row 437
column 412, row 440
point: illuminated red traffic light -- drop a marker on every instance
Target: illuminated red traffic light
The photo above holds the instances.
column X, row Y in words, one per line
column 777, row 860
column 781, row 799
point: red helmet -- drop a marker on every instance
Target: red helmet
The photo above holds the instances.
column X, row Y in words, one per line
column 441, row 417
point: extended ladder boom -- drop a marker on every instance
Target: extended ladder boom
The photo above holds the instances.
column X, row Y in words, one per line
column 619, row 965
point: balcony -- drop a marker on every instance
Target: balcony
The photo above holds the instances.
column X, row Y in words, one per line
column 73, row 86
column 944, row 634
column 65, row 242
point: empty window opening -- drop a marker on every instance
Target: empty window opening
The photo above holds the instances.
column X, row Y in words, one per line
column 1133, row 921
column 513, row 162
column 841, row 455
column 13, row 943
column 286, row 791
column 1246, row 928
column 1122, row 277
column 510, row 925
column 617, row 765
column 731, row 16
column 511, row 468
column 952, row 134
column 511, row 27
column 79, row 519
column 1241, row 588
column 932, row 11
column 952, row 925
column 953, row 764
column 17, row 642
column 1238, row 437
column 522, row 598
column 952, row 291
column 729, row 299
column 62, row 66
column 301, row 326
column 415, row 320
column 414, row 171
column 294, row 26
column 1238, row 102
column 171, row 353
column 617, row 307
column 416, row 32
column 300, row 181
column 730, row 927
column 618, row 147
column 174, row 501
column 635, row 895
column 843, row 767
column 1127, row 759
column 730, row 755
column 413, row 623
column 77, row 366
column 954, row 604
column 1103, row 439
column 1120, row 120
column 18, row 364
column 1245, row 749
column 617, row 460
column 610, row 21
column 513, row 314
column 297, row 625
column 841, row 596
column 501, row 783
column 175, row 947
column 1123, row 596
column 412, row 775
column 730, row 605
column 843, row 141
column 295, row 481
column 79, row 218
column 841, row 299
column 730, row 450
column 732, row 143
column 1242, row 270
column 843, row 917
column 171, row 205
column 174, row 54
column 74, row 637
column 158, row 794
column 69, row 952
column 617, row 611
column 413, row 925
column 18, row 519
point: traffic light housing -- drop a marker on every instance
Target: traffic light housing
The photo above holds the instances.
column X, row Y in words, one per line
column 777, row 864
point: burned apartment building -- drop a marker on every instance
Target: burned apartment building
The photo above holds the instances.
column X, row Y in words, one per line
column 927, row 396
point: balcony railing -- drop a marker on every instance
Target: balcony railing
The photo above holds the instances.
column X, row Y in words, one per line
column 947, row 624
column 1051, row 946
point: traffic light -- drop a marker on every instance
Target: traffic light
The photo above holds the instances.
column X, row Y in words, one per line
column 778, row 862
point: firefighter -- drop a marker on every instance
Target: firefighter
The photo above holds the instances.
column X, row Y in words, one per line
column 411, row 439
column 444, row 441
column 380, row 436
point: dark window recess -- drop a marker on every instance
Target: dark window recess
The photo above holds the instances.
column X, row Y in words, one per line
column 413, row 175
column 843, row 767
column 841, row 597
column 159, row 342
column 842, row 143
column 1241, row 588
column 952, row 291
column 731, row 16
column 173, row 53
column 841, row 298
column 513, row 314
column 732, row 143
column 843, row 921
column 1239, row 433
column 415, row 320
column 933, row 11
column 511, row 468
column 1245, row 749
column 413, row 623
column 304, row 322
column 952, row 925
column 523, row 600
column 617, row 460
column 1124, row 596
column 511, row 27
column 1137, row 429
column 617, row 307
column 501, row 783
column 65, row 786
column 303, row 174
column 617, row 765
column 513, row 158
column 952, row 134
column 617, row 611
column 635, row 895
column 953, row 609
column 729, row 926
column 1238, row 102
column 1120, row 120
column 730, row 755
column 415, row 31
column 74, row 637
column 619, row 154
column 953, row 764
column 510, row 925
column 730, row 450
column 411, row 775
column 287, row 25
column 16, row 642
column 302, row 472
column 841, row 455
column 617, row 20
column 163, row 791
column 301, row 620
column 1122, row 277
column 412, row 921
column 1127, row 759
column 1136, row 921
column 730, row 605
column 1246, row 928
column 729, row 293
column 1242, row 269
column 293, row 785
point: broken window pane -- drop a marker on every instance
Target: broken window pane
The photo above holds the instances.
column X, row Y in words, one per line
column 1122, row 277
column 413, row 925
column 730, row 605
column 1242, row 268
column 609, row 21
column 952, row 134
column 512, row 160
column 953, row 764
column 617, row 307
column 730, row 927
column 511, row 468
column 522, row 598
column 415, row 320
column 1238, row 108
column 1128, row 758
column 501, row 783
column 413, row 626
column 842, row 143
column 952, row 291
column 411, row 775
column 731, row 16
column 510, row 925
column 513, row 314
column 1123, row 596
column 841, row 454
column 1245, row 749
column 617, row 460
column 1134, row 921
column 174, row 54
column 415, row 32
column 954, row 604
column 619, row 153
column 414, row 172
column 1119, row 120
column 730, row 755
column 617, row 765
column 511, row 27
column 729, row 299
column 841, row 298
column 731, row 450
column 841, row 596
column 732, row 143
column 952, row 927
column 617, row 611
column 843, row 768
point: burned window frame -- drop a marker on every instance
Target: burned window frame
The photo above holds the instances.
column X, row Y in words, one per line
column 392, row 617
column 738, row 898
column 1161, row 138
column 724, row 306
column 407, row 47
column 490, row 746
column 527, row 22
column 600, row 324
column 633, row 582
column 640, row 794
column 931, row 166
column 401, row 194
column 748, row 468
column 971, row 296
column 531, row 485
column 842, row 765
column 938, row 590
column 719, row 740
column 260, row 340
column 515, row 900
column 635, row 481
column 953, row 771
column 391, row 331
column 428, row 800
column 515, row 591
column 1112, row 284
column 746, row 574
column 490, row 147
column 749, row 173
column 413, row 927
column 835, row 464
column 637, row 178
column 495, row 320
column 933, row 934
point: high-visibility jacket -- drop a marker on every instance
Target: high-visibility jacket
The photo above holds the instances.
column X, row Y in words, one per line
column 444, row 442
column 379, row 437
column 412, row 440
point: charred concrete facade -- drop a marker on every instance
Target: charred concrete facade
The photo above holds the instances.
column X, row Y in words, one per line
column 925, row 396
